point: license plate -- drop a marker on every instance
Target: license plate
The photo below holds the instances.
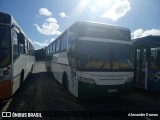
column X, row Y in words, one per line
column 112, row 90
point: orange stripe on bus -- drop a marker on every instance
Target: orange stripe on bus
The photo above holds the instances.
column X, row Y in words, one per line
column 5, row 89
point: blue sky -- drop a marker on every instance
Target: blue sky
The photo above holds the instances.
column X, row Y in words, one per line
column 45, row 20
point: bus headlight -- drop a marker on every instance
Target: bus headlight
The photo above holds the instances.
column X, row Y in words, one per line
column 129, row 80
column 87, row 80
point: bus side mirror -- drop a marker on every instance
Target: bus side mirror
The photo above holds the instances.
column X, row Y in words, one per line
column 21, row 38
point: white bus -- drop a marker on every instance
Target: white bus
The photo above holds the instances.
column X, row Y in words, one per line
column 92, row 60
column 16, row 56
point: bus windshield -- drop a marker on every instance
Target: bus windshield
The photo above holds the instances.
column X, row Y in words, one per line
column 4, row 45
column 99, row 56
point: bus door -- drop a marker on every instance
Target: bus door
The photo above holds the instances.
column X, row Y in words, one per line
column 154, row 69
column 141, row 68
column 73, row 81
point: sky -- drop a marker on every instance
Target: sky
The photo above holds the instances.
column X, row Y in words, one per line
column 44, row 20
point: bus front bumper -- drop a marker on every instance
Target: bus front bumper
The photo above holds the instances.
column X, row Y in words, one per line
column 5, row 89
column 86, row 90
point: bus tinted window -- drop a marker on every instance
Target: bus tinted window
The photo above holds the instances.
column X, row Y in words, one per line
column 64, row 42
column 155, row 56
column 15, row 43
column 21, row 48
column 53, row 47
column 58, row 45
column 26, row 50
column 46, row 51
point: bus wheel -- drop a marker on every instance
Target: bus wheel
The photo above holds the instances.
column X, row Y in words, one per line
column 21, row 78
column 65, row 81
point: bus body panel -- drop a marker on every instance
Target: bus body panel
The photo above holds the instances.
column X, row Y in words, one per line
column 5, row 89
column 19, row 65
column 59, row 66
column 106, row 83
column 86, row 90
column 59, row 63
column 16, row 83
column 23, row 64
column 105, row 78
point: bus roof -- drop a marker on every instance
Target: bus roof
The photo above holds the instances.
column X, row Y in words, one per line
column 147, row 40
column 99, row 24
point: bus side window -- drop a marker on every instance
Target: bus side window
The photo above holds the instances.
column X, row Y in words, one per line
column 15, row 45
column 58, row 45
column 64, row 42
column 26, row 50
column 158, row 58
column 53, row 47
column 21, row 43
column 46, row 51
column 30, row 51
column 21, row 48
column 49, row 50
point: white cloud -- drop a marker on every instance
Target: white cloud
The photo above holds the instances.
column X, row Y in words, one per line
column 63, row 15
column 50, row 27
column 51, row 20
column 93, row 9
column 52, row 39
column 42, row 44
column 45, row 12
column 142, row 33
column 38, row 43
column 118, row 10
